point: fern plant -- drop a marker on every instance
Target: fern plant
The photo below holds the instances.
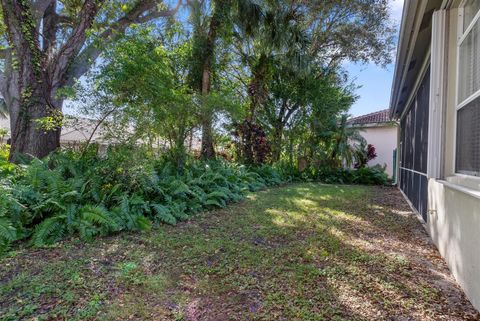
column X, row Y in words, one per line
column 70, row 194
column 8, row 233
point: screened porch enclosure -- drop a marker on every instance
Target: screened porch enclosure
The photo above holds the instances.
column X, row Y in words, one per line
column 414, row 148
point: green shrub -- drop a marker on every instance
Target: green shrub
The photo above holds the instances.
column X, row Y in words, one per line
column 371, row 176
column 367, row 176
column 5, row 167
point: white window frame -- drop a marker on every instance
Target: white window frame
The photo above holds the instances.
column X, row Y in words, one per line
column 437, row 99
column 462, row 35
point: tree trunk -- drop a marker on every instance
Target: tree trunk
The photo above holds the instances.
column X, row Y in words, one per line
column 32, row 77
column 247, row 142
column 277, row 142
column 257, row 94
column 290, row 156
column 208, row 150
column 256, row 88
column 28, row 136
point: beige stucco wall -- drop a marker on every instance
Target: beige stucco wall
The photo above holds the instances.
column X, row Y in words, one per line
column 454, row 226
column 384, row 139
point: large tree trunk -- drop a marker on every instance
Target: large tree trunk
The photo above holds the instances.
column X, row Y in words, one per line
column 29, row 103
column 29, row 138
column 31, row 83
column 26, row 89
column 247, row 142
column 257, row 95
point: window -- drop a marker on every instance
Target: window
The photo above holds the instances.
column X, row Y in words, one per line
column 470, row 9
column 467, row 160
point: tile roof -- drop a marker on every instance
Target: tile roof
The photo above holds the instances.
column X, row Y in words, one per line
column 381, row 116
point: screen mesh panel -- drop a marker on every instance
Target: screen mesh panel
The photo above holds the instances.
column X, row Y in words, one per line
column 421, row 125
column 468, row 139
column 414, row 149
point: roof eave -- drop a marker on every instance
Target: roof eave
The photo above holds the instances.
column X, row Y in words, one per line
column 404, row 39
column 375, row 125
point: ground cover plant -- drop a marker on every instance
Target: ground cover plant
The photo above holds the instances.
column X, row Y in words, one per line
column 257, row 83
column 299, row 252
column 69, row 193
column 126, row 190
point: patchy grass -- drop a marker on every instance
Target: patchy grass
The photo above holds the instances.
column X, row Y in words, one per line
column 301, row 252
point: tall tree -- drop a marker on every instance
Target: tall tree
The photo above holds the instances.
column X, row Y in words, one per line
column 203, row 55
column 51, row 44
column 304, row 108
column 280, row 37
column 327, row 32
column 210, row 18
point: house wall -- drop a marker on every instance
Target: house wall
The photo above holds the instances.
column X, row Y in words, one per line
column 454, row 226
column 453, row 220
column 384, row 139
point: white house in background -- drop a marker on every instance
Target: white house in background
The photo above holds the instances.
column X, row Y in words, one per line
column 436, row 99
column 74, row 132
column 77, row 131
column 381, row 132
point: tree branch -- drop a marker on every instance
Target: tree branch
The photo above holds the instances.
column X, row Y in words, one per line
column 102, row 119
column 75, row 42
column 39, row 7
column 135, row 15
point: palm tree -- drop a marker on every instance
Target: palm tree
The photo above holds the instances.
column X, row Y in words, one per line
column 346, row 141
column 280, row 39
column 208, row 19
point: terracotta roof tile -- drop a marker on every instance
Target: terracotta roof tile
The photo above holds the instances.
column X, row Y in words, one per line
column 381, row 116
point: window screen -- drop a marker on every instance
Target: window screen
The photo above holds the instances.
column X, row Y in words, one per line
column 467, row 158
column 414, row 129
column 414, row 148
column 468, row 139
column 469, row 66
column 470, row 10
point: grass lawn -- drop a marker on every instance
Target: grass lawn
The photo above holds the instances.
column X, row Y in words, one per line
column 300, row 252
